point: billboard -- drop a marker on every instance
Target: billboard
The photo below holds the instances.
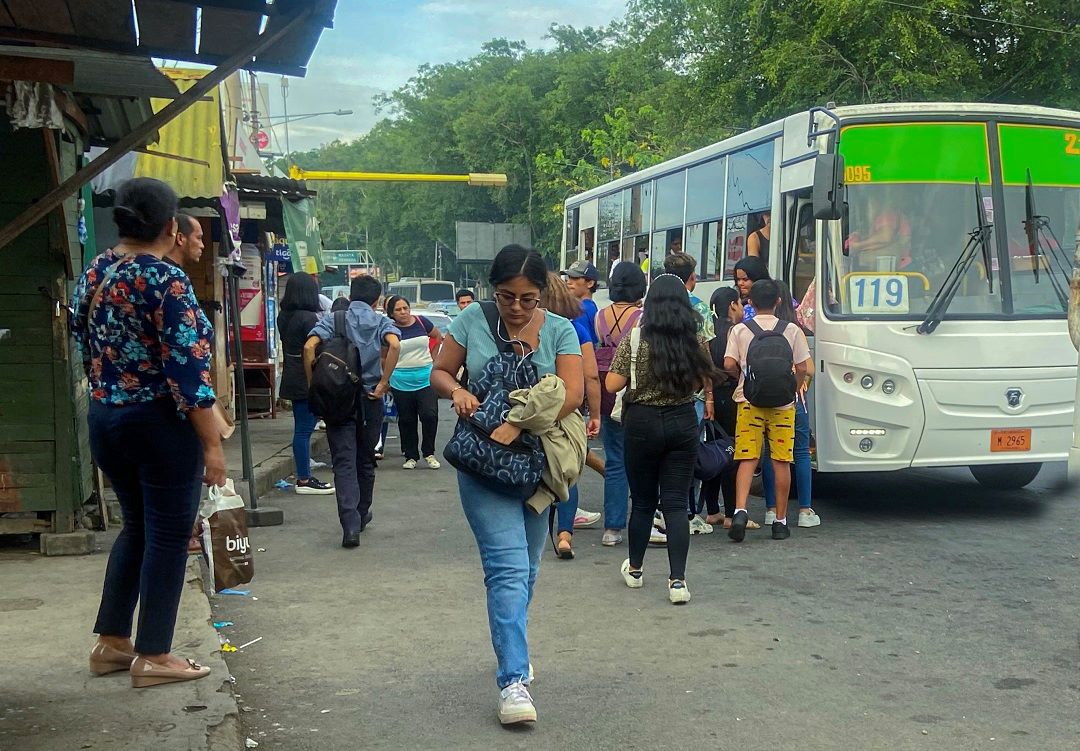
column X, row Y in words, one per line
column 480, row 241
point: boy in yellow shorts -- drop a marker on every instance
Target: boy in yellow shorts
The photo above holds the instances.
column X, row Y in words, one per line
column 769, row 357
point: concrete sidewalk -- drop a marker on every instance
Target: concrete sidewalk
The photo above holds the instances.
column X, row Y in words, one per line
column 271, row 451
column 49, row 700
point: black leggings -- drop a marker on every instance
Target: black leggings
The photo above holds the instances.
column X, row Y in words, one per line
column 661, row 448
column 413, row 405
column 726, row 413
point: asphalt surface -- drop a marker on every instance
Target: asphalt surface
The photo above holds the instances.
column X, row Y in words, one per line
column 925, row 613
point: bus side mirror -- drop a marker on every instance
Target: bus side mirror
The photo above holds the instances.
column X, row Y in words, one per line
column 828, row 186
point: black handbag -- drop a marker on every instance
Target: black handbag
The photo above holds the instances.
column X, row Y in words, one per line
column 716, row 454
column 471, row 449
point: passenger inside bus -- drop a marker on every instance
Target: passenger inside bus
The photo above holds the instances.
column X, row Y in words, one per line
column 757, row 243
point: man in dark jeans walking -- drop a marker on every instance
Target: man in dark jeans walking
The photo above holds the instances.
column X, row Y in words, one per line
column 353, row 442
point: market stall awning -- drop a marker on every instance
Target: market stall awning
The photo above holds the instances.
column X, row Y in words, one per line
column 230, row 34
column 201, row 31
column 187, row 155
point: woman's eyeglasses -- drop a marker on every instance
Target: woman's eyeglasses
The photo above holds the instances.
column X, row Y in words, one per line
column 528, row 302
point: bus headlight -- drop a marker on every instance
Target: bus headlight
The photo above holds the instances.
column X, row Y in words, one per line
column 867, row 382
column 888, row 386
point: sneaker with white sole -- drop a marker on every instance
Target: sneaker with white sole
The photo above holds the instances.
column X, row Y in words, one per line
column 633, row 580
column 699, row 526
column 314, row 486
column 611, row 538
column 432, row 462
column 770, row 517
column 658, row 521
column 585, row 518
column 516, row 704
column 677, row 592
column 657, row 537
column 409, row 464
column 809, row 519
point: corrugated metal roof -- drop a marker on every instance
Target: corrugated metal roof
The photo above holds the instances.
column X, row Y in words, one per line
column 102, row 72
column 265, row 185
column 167, row 28
column 195, row 134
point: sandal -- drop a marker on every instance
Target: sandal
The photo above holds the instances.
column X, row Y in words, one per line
column 563, row 549
column 750, row 523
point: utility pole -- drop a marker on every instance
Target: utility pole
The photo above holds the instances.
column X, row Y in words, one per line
column 438, row 260
column 285, row 107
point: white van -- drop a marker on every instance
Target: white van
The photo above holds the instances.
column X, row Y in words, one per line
column 421, row 292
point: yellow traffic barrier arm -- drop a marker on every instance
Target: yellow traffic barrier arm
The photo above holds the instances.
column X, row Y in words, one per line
column 476, row 179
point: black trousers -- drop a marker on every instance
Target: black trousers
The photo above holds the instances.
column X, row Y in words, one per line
column 352, row 446
column 661, row 448
column 711, row 490
column 422, row 405
column 155, row 463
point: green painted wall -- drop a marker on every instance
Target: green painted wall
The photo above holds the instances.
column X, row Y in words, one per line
column 44, row 454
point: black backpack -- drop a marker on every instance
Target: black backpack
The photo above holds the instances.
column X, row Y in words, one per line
column 770, row 377
column 335, row 376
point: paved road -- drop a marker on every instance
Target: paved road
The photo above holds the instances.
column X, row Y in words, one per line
column 926, row 613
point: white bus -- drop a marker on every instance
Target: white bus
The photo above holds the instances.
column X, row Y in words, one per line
column 941, row 266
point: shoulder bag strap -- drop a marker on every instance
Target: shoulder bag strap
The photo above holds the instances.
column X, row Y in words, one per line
column 100, row 289
column 340, row 328
column 635, row 346
column 602, row 328
column 491, row 313
column 755, row 327
column 781, row 326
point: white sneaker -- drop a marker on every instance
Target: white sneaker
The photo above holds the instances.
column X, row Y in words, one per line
column 677, row 592
column 770, row 517
column 810, row 519
column 657, row 537
column 610, row 538
column 409, row 464
column 634, row 582
column 320, row 425
column 585, row 518
column 432, row 462
column 516, row 705
column 658, row 521
column 699, row 526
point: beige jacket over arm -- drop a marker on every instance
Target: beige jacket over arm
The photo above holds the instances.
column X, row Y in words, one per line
column 536, row 411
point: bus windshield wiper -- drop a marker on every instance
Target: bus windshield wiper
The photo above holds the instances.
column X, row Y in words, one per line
column 1037, row 228
column 978, row 240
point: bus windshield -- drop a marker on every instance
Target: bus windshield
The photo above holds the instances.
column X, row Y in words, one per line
column 914, row 197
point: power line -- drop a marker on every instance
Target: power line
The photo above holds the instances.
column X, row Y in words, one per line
column 979, row 18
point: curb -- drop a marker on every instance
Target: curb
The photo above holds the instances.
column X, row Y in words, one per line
column 223, row 728
column 280, row 465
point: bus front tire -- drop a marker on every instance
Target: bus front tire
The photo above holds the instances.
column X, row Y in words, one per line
column 1005, row 476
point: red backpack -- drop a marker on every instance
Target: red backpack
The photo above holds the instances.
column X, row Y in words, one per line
column 605, row 351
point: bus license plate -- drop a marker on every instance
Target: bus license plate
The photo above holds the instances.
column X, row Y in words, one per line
column 1018, row 439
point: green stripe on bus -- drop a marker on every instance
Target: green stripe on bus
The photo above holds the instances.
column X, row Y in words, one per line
column 1052, row 154
column 915, row 153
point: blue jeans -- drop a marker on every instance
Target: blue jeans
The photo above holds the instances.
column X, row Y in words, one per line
column 510, row 537
column 616, row 488
column 303, row 426
column 802, row 471
column 566, row 511
column 155, row 463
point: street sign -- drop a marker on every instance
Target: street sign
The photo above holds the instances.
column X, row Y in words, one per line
column 261, row 139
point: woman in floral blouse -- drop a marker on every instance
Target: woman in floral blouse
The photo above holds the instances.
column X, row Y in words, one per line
column 145, row 345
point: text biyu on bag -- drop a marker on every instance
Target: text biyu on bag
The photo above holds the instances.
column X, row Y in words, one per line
column 225, row 538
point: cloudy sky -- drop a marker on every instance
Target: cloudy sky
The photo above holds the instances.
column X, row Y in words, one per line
column 377, row 45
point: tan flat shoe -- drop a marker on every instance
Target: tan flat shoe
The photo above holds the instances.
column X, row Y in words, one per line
column 105, row 659
column 145, row 673
column 751, row 524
